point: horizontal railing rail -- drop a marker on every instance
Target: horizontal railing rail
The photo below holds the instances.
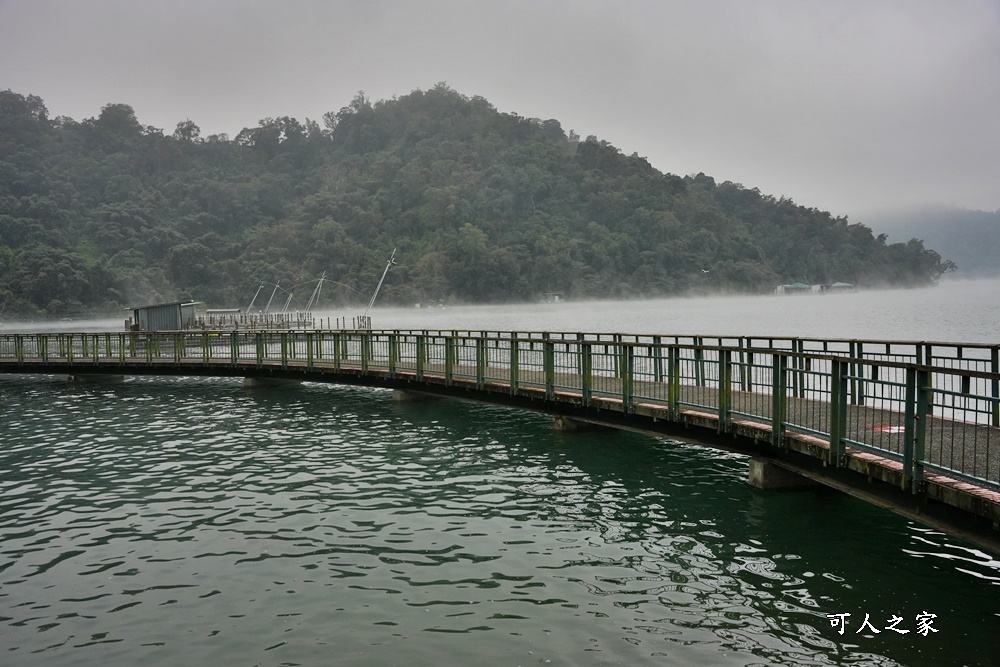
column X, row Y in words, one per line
column 927, row 406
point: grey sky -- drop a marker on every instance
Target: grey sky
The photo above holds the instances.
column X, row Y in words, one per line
column 844, row 105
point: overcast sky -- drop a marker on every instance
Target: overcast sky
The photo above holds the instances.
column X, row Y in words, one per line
column 849, row 106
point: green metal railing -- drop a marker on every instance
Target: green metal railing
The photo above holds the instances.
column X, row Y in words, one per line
column 929, row 406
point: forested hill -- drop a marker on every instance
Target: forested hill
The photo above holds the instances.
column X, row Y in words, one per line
column 483, row 207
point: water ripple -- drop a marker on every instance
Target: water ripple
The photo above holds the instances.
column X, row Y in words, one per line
column 172, row 520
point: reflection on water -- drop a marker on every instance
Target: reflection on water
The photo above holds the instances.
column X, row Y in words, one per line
column 167, row 521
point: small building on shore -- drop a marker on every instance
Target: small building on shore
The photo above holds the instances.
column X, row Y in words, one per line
column 794, row 288
column 187, row 316
column 802, row 288
column 173, row 316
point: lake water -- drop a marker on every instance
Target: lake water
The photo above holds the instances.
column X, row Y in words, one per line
column 172, row 521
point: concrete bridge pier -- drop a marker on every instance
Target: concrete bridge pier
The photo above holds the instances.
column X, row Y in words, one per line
column 767, row 475
column 565, row 424
column 95, row 378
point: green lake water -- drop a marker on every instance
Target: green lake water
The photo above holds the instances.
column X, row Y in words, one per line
column 188, row 521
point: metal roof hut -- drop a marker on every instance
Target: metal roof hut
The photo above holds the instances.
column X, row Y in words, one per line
column 794, row 288
column 164, row 317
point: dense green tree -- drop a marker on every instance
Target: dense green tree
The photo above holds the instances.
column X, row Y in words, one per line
column 481, row 205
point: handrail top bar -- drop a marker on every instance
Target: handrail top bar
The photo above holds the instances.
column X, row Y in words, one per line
column 816, row 355
column 492, row 334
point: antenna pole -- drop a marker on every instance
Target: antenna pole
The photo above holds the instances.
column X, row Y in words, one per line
column 387, row 265
column 250, row 307
column 268, row 306
column 314, row 299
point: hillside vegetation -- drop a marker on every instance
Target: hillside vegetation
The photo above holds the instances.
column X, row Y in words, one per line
column 483, row 206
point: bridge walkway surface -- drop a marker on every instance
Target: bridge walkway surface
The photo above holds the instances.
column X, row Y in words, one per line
column 911, row 426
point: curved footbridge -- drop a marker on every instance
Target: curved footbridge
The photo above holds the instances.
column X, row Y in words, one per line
column 912, row 426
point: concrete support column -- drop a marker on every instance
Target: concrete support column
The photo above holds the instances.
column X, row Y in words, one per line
column 95, row 378
column 565, row 424
column 766, row 474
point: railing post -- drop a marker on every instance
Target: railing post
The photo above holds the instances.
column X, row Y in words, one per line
column 549, row 365
column 284, row 348
column 995, row 384
column 909, row 425
column 421, row 354
column 580, row 337
column 480, row 362
column 924, row 407
column 725, row 389
column 628, row 378
column 586, row 373
column 929, row 361
column 699, row 362
column 859, row 372
column 259, row 343
column 838, row 411
column 309, row 349
column 514, row 359
column 336, row 345
column 616, row 357
column 746, row 366
column 19, row 348
column 852, row 372
column 366, row 348
column 393, row 354
column 779, row 398
column 796, row 365
column 69, row 348
column 657, row 358
column 674, row 382
column 449, row 360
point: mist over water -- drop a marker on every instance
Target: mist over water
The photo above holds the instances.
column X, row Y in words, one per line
column 955, row 310
column 961, row 311
column 186, row 520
